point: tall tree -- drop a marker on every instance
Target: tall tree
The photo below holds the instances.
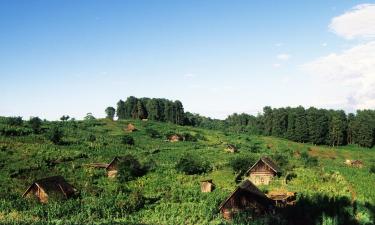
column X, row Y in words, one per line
column 267, row 120
column 130, row 104
column 121, row 110
column 301, row 126
column 110, row 112
column 179, row 113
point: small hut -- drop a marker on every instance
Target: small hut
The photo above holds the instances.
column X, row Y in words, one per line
column 231, row 148
column 112, row 168
column 263, row 171
column 131, row 128
column 246, row 198
column 51, row 186
column 282, row 198
column 174, row 138
column 207, row 185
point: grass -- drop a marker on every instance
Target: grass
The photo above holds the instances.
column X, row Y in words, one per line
column 163, row 195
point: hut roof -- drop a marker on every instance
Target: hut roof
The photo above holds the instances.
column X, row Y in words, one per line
column 53, row 184
column 231, row 146
column 249, row 188
column 268, row 162
column 207, row 180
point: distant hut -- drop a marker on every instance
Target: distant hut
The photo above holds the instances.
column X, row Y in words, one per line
column 131, row 128
column 174, row 138
column 282, row 198
column 263, row 171
column 207, row 185
column 231, row 148
column 248, row 198
column 51, row 186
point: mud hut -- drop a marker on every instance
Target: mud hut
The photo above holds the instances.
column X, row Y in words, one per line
column 207, row 185
column 263, row 171
column 246, row 198
column 131, row 128
column 231, row 148
column 45, row 188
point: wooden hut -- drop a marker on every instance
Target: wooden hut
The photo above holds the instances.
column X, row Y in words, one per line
column 51, row 186
column 263, row 171
column 112, row 168
column 131, row 128
column 246, row 198
column 207, row 185
column 231, row 148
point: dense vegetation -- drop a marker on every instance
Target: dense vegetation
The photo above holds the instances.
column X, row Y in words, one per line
column 312, row 125
column 159, row 184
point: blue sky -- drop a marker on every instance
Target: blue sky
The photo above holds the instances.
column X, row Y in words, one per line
column 217, row 57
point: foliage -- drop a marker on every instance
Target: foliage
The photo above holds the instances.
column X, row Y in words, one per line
column 127, row 140
column 55, row 134
column 191, row 164
column 129, row 168
column 110, row 112
column 240, row 164
column 152, row 133
column 35, row 124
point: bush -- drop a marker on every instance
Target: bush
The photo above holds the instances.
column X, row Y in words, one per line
column 372, row 169
column 14, row 121
column 14, row 131
column 281, row 160
column 152, row 133
column 129, row 168
column 308, row 160
column 55, row 135
column 127, row 140
column 91, row 138
column 189, row 137
column 35, row 123
column 242, row 163
column 190, row 164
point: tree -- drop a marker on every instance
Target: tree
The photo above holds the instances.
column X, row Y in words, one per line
column 110, row 111
column 130, row 104
column 121, row 110
column 55, row 135
column 89, row 116
column 139, row 112
column 267, row 120
column 337, row 128
column 64, row 118
column 129, row 168
column 35, row 124
column 301, row 126
column 190, row 164
column 179, row 112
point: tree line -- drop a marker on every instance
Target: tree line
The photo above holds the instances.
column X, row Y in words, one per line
column 157, row 109
column 316, row 126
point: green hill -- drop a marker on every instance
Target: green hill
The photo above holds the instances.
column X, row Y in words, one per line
column 329, row 192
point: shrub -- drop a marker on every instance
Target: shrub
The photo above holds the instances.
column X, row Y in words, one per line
column 14, row 121
column 129, row 168
column 55, row 134
column 242, row 163
column 91, row 138
column 190, row 164
column 35, row 123
column 308, row 160
column 372, row 169
column 127, row 140
column 189, row 137
column 281, row 160
column 152, row 133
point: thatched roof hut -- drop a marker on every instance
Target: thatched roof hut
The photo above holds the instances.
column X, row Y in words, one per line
column 246, row 197
column 207, row 185
column 51, row 186
column 131, row 128
column 263, row 171
column 231, row 148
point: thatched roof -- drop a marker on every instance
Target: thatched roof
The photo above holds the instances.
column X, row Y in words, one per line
column 249, row 188
column 53, row 184
column 268, row 162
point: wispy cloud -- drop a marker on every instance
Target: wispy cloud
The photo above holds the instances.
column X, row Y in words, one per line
column 283, row 56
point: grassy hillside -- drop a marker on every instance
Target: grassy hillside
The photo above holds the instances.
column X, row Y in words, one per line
column 329, row 192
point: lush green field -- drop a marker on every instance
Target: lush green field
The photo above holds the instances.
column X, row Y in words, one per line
column 329, row 192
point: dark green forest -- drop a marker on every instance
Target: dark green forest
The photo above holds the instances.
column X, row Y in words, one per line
column 312, row 125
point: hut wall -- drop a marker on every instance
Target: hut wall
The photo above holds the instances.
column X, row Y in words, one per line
column 261, row 174
column 206, row 187
column 112, row 173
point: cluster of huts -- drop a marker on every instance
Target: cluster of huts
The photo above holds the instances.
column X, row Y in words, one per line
column 248, row 197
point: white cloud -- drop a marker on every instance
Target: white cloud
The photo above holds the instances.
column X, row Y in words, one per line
column 283, row 57
column 359, row 22
column 352, row 71
column 324, row 44
column 276, row 65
